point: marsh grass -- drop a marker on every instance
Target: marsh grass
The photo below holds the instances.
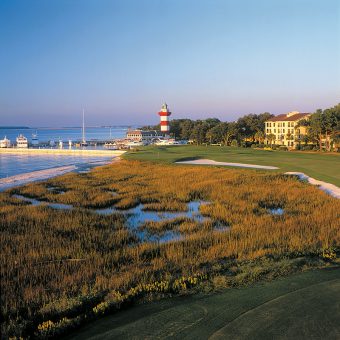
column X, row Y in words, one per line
column 160, row 227
column 63, row 263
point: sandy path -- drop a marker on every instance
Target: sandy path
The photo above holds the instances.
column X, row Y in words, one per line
column 241, row 165
column 329, row 188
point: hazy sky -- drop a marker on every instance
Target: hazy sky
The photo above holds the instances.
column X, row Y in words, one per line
column 120, row 59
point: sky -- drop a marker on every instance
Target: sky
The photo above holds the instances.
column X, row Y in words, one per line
column 121, row 59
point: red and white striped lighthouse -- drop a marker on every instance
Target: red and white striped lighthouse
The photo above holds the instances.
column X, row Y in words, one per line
column 164, row 114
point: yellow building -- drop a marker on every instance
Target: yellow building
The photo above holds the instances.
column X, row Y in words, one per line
column 284, row 129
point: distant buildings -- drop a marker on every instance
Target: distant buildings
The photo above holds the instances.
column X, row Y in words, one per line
column 142, row 135
column 285, row 130
column 150, row 136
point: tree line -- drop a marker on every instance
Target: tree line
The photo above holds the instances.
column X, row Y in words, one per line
column 213, row 131
column 323, row 129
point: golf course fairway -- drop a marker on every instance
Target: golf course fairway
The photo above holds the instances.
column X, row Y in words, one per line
column 301, row 306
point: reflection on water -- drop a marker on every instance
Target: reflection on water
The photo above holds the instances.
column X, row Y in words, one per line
column 36, row 202
column 136, row 217
column 276, row 211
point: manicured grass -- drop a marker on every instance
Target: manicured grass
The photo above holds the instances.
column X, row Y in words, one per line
column 325, row 167
column 302, row 306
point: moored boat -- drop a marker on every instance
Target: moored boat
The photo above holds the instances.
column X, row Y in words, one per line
column 22, row 142
column 35, row 139
column 83, row 139
column 111, row 145
column 5, row 143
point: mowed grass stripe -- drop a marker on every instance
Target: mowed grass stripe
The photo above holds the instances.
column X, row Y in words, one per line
column 321, row 166
column 300, row 306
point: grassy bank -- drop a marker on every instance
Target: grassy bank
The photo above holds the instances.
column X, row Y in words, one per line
column 61, row 268
column 300, row 306
column 322, row 166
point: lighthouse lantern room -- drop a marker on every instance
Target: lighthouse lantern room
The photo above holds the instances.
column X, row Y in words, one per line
column 164, row 113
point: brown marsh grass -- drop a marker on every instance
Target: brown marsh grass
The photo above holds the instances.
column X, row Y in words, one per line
column 59, row 263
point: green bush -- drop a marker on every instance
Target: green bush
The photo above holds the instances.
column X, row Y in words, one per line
column 307, row 148
column 234, row 143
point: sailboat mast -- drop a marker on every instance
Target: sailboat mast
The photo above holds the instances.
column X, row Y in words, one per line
column 83, row 126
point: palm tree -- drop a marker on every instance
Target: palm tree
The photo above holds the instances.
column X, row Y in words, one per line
column 259, row 136
column 270, row 138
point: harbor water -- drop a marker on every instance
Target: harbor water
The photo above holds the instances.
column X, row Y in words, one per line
column 15, row 164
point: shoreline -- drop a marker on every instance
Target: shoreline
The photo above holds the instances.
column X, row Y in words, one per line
column 41, row 175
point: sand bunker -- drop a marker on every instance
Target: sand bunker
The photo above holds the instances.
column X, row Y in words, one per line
column 240, row 165
column 329, row 188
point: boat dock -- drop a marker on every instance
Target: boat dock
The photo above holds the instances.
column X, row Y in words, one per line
column 73, row 152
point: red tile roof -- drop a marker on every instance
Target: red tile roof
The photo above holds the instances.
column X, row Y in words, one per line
column 284, row 118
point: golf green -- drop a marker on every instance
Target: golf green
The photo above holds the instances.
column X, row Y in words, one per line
column 321, row 166
column 302, row 306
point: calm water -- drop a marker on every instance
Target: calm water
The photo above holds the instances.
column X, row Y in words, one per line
column 136, row 217
column 11, row 165
column 75, row 134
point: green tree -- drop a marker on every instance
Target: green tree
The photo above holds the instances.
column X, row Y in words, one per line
column 315, row 129
column 259, row 136
column 250, row 124
column 199, row 132
column 231, row 130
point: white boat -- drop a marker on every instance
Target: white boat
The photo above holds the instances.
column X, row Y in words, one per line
column 134, row 143
column 52, row 143
column 60, row 144
column 111, row 145
column 83, row 139
column 22, row 142
column 170, row 141
column 70, row 143
column 5, row 143
column 35, row 139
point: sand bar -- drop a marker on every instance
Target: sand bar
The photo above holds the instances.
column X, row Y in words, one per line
column 39, row 175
